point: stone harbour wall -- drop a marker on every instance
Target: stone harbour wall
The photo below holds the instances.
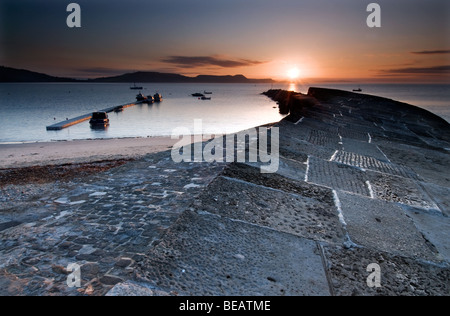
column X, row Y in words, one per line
column 363, row 181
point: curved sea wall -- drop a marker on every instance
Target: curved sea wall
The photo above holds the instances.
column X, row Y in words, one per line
column 358, row 206
column 361, row 107
column 291, row 102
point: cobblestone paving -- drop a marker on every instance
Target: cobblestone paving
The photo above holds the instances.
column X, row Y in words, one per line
column 104, row 226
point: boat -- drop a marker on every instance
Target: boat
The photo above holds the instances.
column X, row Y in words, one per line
column 198, row 94
column 99, row 119
column 149, row 99
column 140, row 97
column 118, row 109
column 134, row 87
column 158, row 97
column 357, row 90
column 205, row 98
column 206, row 92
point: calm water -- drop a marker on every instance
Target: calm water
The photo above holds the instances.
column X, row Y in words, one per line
column 26, row 109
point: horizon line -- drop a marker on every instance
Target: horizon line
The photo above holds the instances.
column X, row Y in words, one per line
column 309, row 80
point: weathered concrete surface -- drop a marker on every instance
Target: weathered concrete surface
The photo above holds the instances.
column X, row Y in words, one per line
column 280, row 210
column 132, row 288
column 383, row 226
column 435, row 228
column 400, row 275
column 204, row 254
column 362, row 180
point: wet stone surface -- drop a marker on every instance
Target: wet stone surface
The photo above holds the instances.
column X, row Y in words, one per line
column 102, row 225
column 286, row 212
column 360, row 182
column 363, row 148
column 300, row 149
column 428, row 164
column 373, row 164
column 399, row 190
column 334, row 175
column 383, row 226
column 440, row 195
column 225, row 257
column 399, row 276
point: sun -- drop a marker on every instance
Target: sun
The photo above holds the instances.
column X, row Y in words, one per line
column 293, row 73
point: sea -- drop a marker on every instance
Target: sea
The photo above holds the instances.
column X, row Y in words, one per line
column 27, row 108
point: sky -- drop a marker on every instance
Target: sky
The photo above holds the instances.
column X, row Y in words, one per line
column 312, row 39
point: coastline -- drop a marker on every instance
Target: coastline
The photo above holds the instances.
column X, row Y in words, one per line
column 79, row 151
column 362, row 181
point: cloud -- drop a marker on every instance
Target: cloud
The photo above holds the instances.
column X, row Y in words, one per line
column 437, row 70
column 432, row 52
column 202, row 61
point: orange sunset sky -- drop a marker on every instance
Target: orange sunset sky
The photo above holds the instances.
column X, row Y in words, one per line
column 308, row 40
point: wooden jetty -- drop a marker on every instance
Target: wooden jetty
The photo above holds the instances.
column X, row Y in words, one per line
column 79, row 119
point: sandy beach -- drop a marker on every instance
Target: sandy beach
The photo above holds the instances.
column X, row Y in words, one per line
column 79, row 151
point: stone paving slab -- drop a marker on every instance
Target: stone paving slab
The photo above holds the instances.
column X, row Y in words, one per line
column 437, row 143
column 363, row 148
column 276, row 181
column 324, row 139
column 292, row 155
column 400, row 138
column 292, row 169
column 400, row 276
column 350, row 133
column 288, row 168
column 297, row 149
column 337, row 176
column 286, row 212
column 435, row 227
column 439, row 195
column 399, row 190
column 208, row 255
column 370, row 163
column 319, row 124
column 132, row 288
column 297, row 131
column 313, row 136
column 383, row 226
column 426, row 163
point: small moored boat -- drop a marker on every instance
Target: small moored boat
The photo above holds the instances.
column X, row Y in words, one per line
column 140, row 97
column 99, row 119
column 134, row 87
column 206, row 92
column 198, row 94
column 158, row 97
column 118, row 109
column 205, row 98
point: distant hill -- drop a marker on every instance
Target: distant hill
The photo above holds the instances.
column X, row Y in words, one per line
column 229, row 79
column 142, row 76
column 19, row 75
